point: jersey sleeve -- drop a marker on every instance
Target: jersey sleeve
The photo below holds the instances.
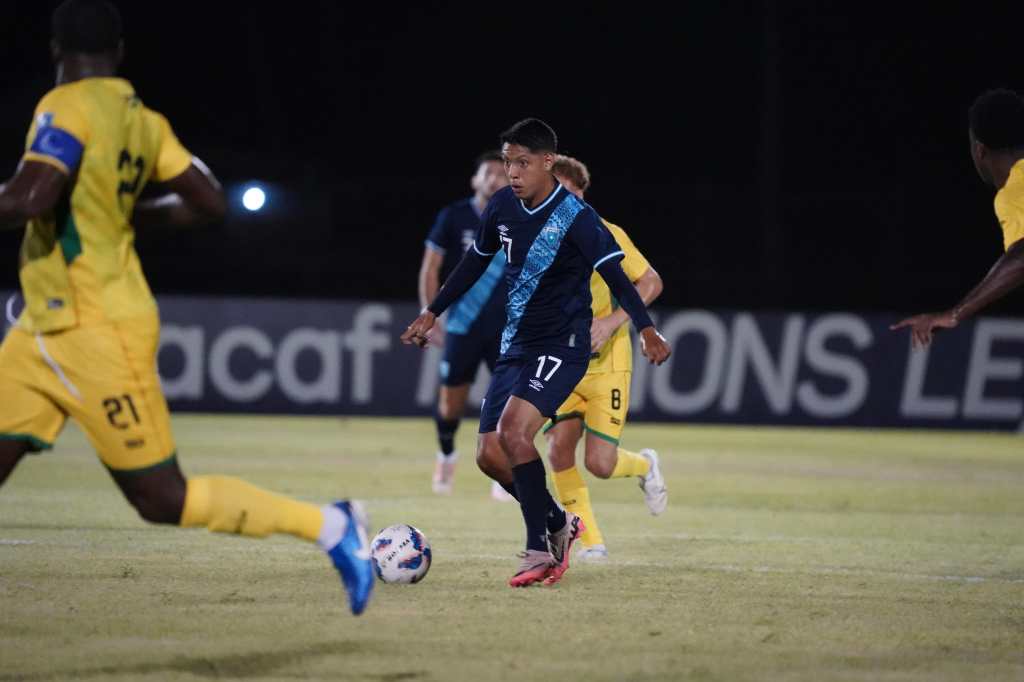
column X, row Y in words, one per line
column 593, row 239
column 59, row 132
column 633, row 263
column 173, row 159
column 439, row 237
column 1011, row 218
column 486, row 242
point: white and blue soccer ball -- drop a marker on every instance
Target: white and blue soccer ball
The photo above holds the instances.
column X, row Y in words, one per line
column 401, row 554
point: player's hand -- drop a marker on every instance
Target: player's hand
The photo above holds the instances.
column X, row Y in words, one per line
column 654, row 346
column 922, row 327
column 601, row 329
column 437, row 333
column 417, row 331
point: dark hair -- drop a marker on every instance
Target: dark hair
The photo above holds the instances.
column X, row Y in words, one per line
column 89, row 26
column 997, row 119
column 489, row 155
column 532, row 133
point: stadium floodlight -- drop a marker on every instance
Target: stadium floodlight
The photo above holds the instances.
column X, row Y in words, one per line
column 254, row 198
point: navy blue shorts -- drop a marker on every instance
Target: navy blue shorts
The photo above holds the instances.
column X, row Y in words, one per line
column 538, row 377
column 463, row 354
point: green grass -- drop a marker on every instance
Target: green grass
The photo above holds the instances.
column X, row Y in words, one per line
column 784, row 555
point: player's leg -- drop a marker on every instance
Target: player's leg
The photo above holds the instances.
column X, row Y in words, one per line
column 519, row 423
column 490, row 456
column 451, row 404
column 548, row 526
column 604, row 457
column 572, row 493
column 562, row 435
column 11, row 452
column 493, row 461
column 457, row 370
column 490, row 337
column 30, row 419
column 124, row 414
column 542, row 385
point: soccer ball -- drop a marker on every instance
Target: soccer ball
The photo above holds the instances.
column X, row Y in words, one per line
column 400, row 554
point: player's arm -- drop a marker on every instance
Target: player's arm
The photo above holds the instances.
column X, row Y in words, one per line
column 430, row 275
column 649, row 286
column 34, row 190
column 473, row 264
column 598, row 246
column 1006, row 275
column 428, row 285
column 195, row 198
column 463, row 277
column 653, row 344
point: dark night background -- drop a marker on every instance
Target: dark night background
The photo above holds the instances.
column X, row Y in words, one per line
column 763, row 155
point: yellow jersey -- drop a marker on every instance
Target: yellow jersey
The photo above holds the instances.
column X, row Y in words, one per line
column 616, row 355
column 1010, row 205
column 78, row 263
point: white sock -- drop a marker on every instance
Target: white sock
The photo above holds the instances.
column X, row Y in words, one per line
column 333, row 530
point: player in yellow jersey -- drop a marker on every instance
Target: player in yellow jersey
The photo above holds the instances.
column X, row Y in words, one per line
column 599, row 403
column 996, row 130
column 85, row 345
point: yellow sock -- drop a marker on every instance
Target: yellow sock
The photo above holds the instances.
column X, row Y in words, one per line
column 230, row 505
column 630, row 464
column 574, row 496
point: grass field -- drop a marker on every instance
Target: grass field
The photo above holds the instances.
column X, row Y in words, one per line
column 784, row 555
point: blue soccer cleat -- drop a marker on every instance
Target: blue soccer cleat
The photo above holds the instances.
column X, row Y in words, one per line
column 351, row 556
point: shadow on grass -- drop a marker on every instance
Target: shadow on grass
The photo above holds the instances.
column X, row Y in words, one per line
column 254, row 665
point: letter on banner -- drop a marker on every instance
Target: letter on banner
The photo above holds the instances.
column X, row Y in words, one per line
column 776, row 383
column 189, row 382
column 984, row 368
column 326, row 388
column 364, row 340
column 239, row 390
column 914, row 403
column 825, row 362
column 679, row 402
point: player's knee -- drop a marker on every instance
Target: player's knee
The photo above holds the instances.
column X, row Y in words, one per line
column 560, row 456
column 512, row 436
column 449, row 410
column 510, row 441
column 490, row 457
column 445, row 411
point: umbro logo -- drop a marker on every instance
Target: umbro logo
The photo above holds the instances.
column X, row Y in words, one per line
column 503, row 229
column 537, row 384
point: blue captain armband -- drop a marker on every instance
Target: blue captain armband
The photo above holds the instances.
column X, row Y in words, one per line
column 58, row 144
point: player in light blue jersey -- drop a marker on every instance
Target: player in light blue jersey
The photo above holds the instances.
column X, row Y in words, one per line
column 473, row 326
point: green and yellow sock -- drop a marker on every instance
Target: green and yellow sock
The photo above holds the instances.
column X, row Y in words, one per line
column 630, row 464
column 230, row 505
column 575, row 497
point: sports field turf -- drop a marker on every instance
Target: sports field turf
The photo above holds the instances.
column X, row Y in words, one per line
column 784, row 555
